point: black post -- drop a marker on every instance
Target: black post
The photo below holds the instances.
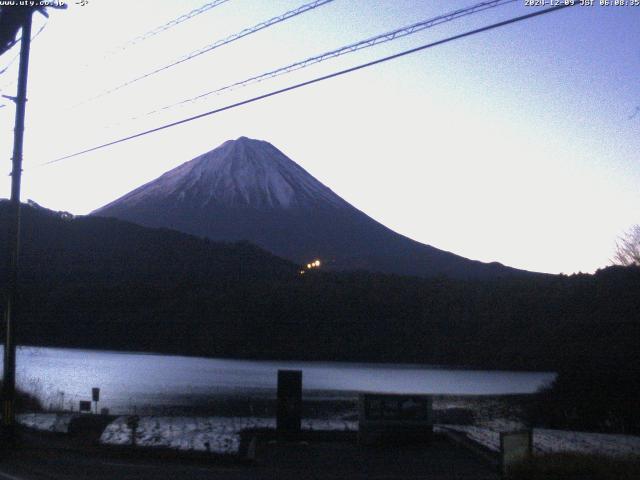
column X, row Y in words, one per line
column 289, row 408
column 95, row 396
column 13, row 243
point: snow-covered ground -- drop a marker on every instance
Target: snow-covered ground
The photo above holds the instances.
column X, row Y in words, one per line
column 555, row 441
column 214, row 434
column 222, row 434
column 50, row 422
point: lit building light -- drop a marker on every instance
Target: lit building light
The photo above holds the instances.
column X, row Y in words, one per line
column 313, row 264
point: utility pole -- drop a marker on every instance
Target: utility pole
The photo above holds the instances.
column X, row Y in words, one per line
column 13, row 240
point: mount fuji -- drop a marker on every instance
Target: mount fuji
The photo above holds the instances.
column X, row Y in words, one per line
column 247, row 189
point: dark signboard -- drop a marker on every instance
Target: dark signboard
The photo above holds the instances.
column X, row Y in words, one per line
column 390, row 418
column 85, row 406
column 514, row 448
column 95, row 394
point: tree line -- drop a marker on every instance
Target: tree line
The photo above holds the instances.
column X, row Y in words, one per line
column 102, row 283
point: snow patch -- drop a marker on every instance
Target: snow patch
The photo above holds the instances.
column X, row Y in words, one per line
column 556, row 441
column 49, row 422
column 214, row 434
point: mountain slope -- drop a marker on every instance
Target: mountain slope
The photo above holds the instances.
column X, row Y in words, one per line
column 57, row 246
column 105, row 283
column 248, row 190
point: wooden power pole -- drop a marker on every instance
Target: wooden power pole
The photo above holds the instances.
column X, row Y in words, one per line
column 13, row 239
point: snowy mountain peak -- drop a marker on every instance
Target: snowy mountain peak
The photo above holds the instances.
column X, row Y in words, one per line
column 239, row 173
column 249, row 190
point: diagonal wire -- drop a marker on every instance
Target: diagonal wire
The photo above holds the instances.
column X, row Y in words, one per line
column 140, row 38
column 168, row 25
column 9, row 63
column 17, row 55
column 316, row 80
column 218, row 43
column 370, row 42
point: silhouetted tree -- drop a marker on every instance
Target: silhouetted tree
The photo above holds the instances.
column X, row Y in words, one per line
column 628, row 248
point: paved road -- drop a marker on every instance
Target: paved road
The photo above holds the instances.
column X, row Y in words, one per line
column 283, row 461
column 64, row 465
column 441, row 460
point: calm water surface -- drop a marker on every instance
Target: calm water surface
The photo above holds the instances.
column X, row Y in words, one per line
column 64, row 376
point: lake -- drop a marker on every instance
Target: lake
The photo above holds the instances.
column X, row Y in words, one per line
column 63, row 376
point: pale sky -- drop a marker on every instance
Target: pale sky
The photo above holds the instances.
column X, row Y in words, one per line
column 514, row 145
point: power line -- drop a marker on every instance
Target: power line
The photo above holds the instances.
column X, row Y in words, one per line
column 370, row 42
column 17, row 55
column 172, row 23
column 168, row 25
column 218, row 43
column 315, row 80
column 354, row 47
column 10, row 62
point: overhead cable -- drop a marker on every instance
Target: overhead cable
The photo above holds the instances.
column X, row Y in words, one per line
column 370, row 42
column 170, row 24
column 217, row 44
column 315, row 80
